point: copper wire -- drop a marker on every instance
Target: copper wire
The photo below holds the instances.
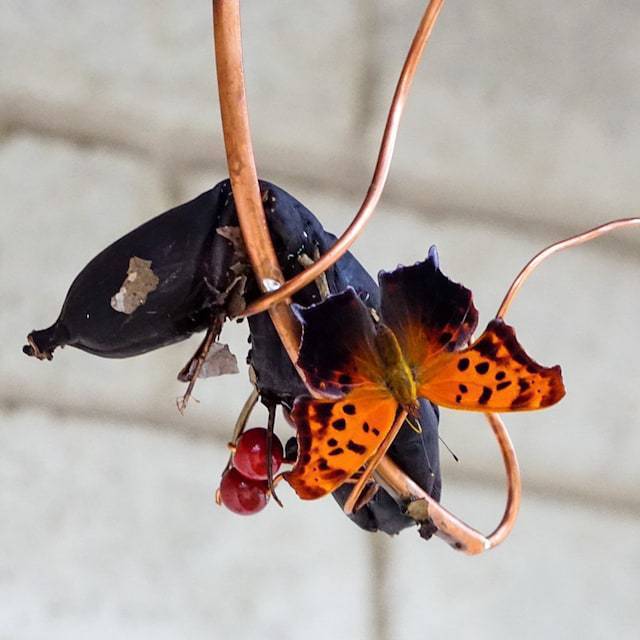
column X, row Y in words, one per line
column 372, row 464
column 573, row 241
column 380, row 173
column 242, row 168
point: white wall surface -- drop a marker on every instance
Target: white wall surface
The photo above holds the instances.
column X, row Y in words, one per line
column 523, row 127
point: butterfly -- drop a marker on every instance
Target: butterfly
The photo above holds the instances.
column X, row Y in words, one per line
column 366, row 368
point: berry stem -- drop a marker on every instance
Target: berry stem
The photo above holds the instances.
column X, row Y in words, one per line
column 240, row 425
column 245, row 413
column 270, row 422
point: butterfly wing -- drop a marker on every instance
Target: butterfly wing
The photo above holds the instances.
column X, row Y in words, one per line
column 493, row 374
column 335, row 438
column 337, row 351
column 427, row 312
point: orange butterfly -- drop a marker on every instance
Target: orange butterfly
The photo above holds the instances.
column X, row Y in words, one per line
column 367, row 369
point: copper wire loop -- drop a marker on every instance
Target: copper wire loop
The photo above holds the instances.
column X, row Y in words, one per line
column 242, row 171
column 573, row 241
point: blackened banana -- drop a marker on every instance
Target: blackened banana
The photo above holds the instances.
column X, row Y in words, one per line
column 180, row 246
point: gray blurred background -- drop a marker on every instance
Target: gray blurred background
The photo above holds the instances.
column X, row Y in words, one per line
column 523, row 127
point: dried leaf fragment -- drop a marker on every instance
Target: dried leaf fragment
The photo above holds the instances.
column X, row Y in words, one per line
column 138, row 284
column 219, row 362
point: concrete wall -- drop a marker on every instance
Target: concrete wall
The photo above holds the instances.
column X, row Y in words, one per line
column 523, row 127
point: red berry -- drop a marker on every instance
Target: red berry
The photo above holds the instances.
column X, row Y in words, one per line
column 243, row 495
column 250, row 456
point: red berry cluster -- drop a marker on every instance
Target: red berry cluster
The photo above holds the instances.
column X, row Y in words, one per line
column 244, row 488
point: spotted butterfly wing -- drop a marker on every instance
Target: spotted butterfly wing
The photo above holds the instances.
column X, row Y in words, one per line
column 493, row 374
column 335, row 438
column 339, row 433
column 433, row 318
column 337, row 352
column 427, row 312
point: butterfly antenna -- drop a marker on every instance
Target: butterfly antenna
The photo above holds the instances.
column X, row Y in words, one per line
column 417, row 427
column 426, row 455
column 448, row 448
column 270, row 422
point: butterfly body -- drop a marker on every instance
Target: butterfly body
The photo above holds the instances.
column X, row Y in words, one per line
column 398, row 377
column 366, row 369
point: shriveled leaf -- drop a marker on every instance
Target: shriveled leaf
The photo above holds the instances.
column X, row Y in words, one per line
column 220, row 361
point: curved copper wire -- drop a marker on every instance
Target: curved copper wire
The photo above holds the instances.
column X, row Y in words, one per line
column 380, row 173
column 242, row 168
column 573, row 241
column 353, row 499
column 423, row 508
column 240, row 160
